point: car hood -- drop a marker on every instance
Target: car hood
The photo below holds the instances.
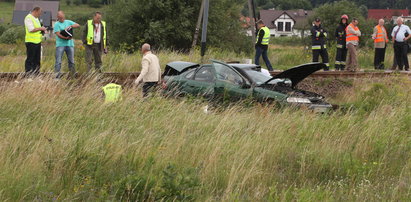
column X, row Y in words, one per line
column 299, row 73
column 178, row 67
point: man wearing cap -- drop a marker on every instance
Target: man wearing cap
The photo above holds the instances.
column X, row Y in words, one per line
column 352, row 40
column 319, row 46
column 400, row 34
column 341, row 46
column 261, row 45
column 64, row 43
column 380, row 43
column 33, row 40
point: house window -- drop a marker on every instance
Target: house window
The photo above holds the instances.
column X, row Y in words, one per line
column 288, row 26
column 280, row 26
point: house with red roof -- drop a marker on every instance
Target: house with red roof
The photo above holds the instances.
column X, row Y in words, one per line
column 387, row 14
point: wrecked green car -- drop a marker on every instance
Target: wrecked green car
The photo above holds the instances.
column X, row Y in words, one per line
column 237, row 82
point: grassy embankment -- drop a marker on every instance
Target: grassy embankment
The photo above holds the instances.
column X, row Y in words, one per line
column 61, row 142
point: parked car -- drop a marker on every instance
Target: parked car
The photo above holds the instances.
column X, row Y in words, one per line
column 242, row 81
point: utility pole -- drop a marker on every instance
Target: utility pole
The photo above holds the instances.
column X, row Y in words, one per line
column 204, row 30
column 251, row 13
column 197, row 31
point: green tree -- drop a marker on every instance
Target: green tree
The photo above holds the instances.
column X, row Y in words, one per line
column 170, row 24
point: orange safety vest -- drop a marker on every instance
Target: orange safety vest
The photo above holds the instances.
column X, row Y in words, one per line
column 351, row 36
column 381, row 35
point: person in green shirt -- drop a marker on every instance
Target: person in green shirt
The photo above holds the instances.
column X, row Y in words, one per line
column 64, row 43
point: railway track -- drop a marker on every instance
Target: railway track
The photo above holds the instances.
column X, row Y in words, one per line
column 129, row 77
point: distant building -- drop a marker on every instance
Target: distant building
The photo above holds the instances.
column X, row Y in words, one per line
column 387, row 14
column 287, row 22
column 22, row 7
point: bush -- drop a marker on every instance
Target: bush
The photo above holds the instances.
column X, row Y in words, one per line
column 143, row 21
column 3, row 28
column 94, row 3
column 12, row 35
column 77, row 2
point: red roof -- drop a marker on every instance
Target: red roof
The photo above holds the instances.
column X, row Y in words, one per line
column 386, row 13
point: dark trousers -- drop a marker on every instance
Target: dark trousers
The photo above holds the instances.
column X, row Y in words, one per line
column 324, row 56
column 400, row 52
column 340, row 58
column 379, row 58
column 94, row 52
column 262, row 50
column 32, row 64
column 148, row 87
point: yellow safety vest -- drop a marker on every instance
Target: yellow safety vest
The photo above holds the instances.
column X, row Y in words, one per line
column 112, row 93
column 33, row 37
column 90, row 33
column 266, row 38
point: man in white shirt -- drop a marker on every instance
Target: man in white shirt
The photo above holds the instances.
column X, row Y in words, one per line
column 400, row 34
column 150, row 73
column 33, row 40
column 95, row 41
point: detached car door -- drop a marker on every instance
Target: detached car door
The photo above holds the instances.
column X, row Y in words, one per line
column 202, row 83
column 230, row 85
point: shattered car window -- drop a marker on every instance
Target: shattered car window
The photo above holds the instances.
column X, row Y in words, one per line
column 226, row 74
column 205, row 74
column 190, row 74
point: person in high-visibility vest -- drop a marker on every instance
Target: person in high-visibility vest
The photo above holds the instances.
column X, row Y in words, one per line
column 340, row 35
column 33, row 40
column 95, row 41
column 112, row 93
column 261, row 44
column 352, row 39
column 319, row 46
column 380, row 43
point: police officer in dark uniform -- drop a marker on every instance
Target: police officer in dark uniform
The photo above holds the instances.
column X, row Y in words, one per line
column 340, row 35
column 319, row 47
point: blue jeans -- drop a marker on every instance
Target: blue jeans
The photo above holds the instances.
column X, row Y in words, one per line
column 70, row 56
column 259, row 50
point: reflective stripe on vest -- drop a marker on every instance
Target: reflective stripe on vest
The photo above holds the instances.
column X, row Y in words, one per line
column 318, row 47
column 381, row 35
column 112, row 92
column 352, row 36
column 33, row 37
column 90, row 33
column 266, row 37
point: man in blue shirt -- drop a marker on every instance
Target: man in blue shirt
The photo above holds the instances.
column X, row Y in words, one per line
column 64, row 43
column 400, row 34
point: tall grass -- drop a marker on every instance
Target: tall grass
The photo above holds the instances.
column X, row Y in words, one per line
column 61, row 142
